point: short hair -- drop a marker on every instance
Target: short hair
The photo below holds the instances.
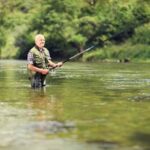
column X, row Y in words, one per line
column 38, row 36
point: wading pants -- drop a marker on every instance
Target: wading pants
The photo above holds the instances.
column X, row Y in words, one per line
column 38, row 80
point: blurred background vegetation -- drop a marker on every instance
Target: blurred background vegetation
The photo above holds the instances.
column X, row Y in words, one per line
column 70, row 26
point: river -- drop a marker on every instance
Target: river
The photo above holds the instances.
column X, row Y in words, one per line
column 85, row 106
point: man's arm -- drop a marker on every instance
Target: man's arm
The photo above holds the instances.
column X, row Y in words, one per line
column 50, row 62
column 36, row 69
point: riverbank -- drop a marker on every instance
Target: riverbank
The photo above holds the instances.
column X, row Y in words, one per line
column 126, row 52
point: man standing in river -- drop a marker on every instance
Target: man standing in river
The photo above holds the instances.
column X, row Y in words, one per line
column 38, row 62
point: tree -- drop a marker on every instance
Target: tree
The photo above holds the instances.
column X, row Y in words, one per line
column 2, row 31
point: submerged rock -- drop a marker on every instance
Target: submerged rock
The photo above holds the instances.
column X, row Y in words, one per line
column 50, row 127
column 140, row 98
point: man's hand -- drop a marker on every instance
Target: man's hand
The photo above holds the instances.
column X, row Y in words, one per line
column 59, row 64
column 44, row 71
column 55, row 65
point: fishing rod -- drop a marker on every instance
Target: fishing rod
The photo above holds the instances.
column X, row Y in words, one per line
column 78, row 54
column 86, row 50
column 101, row 42
column 82, row 52
column 90, row 48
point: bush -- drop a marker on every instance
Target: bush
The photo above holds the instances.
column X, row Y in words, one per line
column 121, row 52
column 142, row 35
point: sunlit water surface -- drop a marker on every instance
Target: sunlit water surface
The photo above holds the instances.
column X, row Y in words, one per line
column 85, row 106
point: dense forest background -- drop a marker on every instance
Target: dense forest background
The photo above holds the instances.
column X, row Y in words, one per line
column 70, row 26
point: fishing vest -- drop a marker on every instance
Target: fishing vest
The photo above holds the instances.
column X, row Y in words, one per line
column 40, row 59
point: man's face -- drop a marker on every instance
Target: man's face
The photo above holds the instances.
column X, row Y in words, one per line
column 40, row 41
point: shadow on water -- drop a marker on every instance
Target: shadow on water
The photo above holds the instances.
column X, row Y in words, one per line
column 143, row 139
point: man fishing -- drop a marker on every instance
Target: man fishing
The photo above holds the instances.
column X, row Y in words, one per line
column 39, row 61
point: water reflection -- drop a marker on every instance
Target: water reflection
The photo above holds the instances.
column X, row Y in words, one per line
column 84, row 107
column 48, row 109
column 45, row 105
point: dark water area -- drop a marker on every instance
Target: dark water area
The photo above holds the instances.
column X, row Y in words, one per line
column 85, row 106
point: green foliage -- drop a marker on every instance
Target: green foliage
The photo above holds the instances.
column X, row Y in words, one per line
column 69, row 25
column 98, row 55
column 2, row 30
column 120, row 53
column 78, row 40
column 142, row 35
column 25, row 42
column 2, row 37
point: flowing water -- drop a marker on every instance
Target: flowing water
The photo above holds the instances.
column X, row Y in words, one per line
column 85, row 106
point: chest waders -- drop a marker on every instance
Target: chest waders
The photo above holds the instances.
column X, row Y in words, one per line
column 40, row 60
